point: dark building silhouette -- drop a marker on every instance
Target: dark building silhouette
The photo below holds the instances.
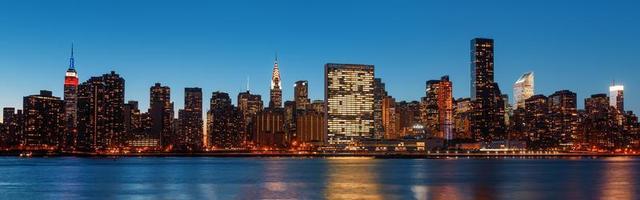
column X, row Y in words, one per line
column 101, row 113
column 488, row 105
column 601, row 130
column 133, row 127
column 12, row 127
column 563, row 117
column 191, row 124
column 161, row 113
column 225, row 123
column 44, row 122
column 379, row 94
column 537, row 122
column 249, row 105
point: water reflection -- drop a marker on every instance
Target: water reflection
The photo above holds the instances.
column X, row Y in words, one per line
column 352, row 179
column 618, row 179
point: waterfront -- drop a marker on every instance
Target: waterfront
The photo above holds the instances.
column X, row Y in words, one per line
column 317, row 178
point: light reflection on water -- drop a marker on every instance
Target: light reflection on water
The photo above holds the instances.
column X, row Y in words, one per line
column 317, row 178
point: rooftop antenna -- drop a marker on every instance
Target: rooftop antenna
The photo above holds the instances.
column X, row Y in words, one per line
column 72, row 62
column 247, row 83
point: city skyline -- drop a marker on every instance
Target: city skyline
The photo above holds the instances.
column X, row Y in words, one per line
column 189, row 63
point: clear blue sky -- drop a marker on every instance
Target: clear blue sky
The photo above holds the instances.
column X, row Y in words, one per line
column 577, row 45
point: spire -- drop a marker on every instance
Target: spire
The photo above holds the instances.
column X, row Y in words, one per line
column 275, row 76
column 247, row 83
column 72, row 62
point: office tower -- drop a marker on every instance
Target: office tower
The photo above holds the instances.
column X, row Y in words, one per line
column 190, row 121
column 408, row 117
column 270, row 130
column 439, row 108
column 309, row 126
column 389, row 118
column 537, row 127
column 161, row 112
column 600, row 127
column 12, row 129
column 44, row 121
column 616, row 97
column 290, row 115
column 276, row 87
column 379, row 94
column 523, row 89
column 71, row 103
column 462, row 118
column 249, row 105
column 318, row 106
column 132, row 121
column 301, row 94
column 349, row 102
column 224, row 123
column 488, row 105
column 101, row 112
column 563, row 117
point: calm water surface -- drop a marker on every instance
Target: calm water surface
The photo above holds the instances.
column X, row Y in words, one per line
column 317, row 178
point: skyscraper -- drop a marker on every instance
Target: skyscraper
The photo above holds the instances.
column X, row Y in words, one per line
column 563, row 116
column 224, row 123
column 523, row 89
column 616, row 97
column 488, row 104
column 301, row 94
column 276, row 87
column 101, row 112
column 439, row 104
column 191, row 128
column 349, row 102
column 44, row 121
column 379, row 94
column 249, row 105
column 71, row 102
column 161, row 112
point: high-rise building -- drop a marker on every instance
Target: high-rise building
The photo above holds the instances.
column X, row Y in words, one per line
column 44, row 121
column 309, row 126
column 290, row 115
column 301, row 94
column 269, row 130
column 439, row 108
column 224, row 123
column 563, row 117
column 390, row 120
column 190, row 121
column 249, row 105
column 616, row 97
column 276, row 87
column 600, row 127
column 408, row 114
column 379, row 94
column 488, row 106
column 133, row 127
column 349, row 102
column 462, row 118
column 12, row 129
column 161, row 112
column 101, row 112
column 71, row 103
column 537, row 126
column 318, row 106
column 523, row 89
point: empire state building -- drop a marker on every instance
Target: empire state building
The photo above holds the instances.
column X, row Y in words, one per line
column 276, row 87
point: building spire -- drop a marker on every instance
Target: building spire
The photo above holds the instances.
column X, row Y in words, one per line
column 72, row 62
column 247, row 83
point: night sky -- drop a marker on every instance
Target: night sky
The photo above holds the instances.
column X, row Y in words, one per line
column 577, row 45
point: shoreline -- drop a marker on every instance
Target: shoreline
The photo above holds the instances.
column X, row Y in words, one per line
column 376, row 155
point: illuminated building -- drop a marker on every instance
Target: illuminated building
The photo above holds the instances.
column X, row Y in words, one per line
column 301, row 94
column 379, row 94
column 439, row 108
column 190, row 120
column 161, row 112
column 462, row 118
column 276, row 87
column 71, row 103
column 408, row 114
column 536, row 120
column 318, row 106
column 309, row 126
column 249, row 106
column 290, row 114
column 349, row 102
column 133, row 126
column 616, row 97
column 225, row 123
column 11, row 132
column 44, row 121
column 269, row 130
column 487, row 121
column 523, row 89
column 101, row 112
column 600, row 128
column 563, row 116
column 390, row 119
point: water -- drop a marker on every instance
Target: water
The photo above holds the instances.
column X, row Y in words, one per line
column 317, row 178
